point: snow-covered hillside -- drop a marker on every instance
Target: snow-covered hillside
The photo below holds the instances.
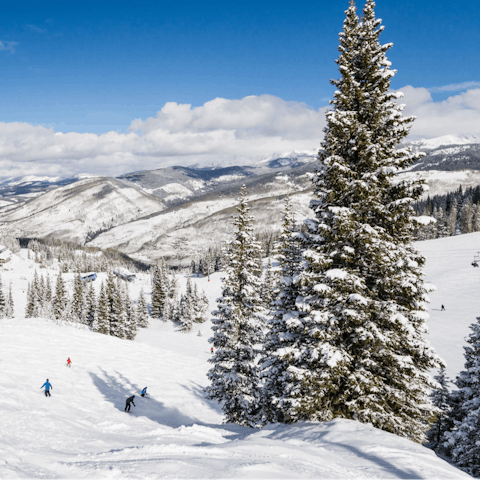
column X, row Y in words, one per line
column 82, row 430
column 74, row 211
column 182, row 232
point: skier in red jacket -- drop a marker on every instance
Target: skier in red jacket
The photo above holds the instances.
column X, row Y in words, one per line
column 69, row 362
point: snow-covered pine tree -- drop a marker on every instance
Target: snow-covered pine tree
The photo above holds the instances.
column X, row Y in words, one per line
column 142, row 311
column 159, row 291
column 268, row 286
column 29, row 306
column 440, row 398
column 60, row 301
column 78, row 299
column 284, row 328
column 361, row 352
column 118, row 314
column 132, row 320
column 90, row 306
column 237, row 327
column 464, row 440
column 187, row 313
column 10, row 307
column 101, row 323
column 3, row 301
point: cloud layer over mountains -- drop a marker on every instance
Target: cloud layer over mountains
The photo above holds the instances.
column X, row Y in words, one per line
column 180, row 134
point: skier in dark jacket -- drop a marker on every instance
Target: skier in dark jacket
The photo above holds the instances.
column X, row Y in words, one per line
column 129, row 400
column 144, row 391
column 443, row 308
column 47, row 386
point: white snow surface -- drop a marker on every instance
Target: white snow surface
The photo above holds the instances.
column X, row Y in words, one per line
column 82, row 431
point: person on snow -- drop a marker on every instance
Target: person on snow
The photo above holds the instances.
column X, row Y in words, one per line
column 69, row 362
column 47, row 386
column 442, row 309
column 144, row 391
column 129, row 400
column 211, row 350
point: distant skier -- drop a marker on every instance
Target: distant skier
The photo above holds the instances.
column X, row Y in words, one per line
column 47, row 386
column 442, row 309
column 144, row 391
column 129, row 400
column 211, row 350
column 69, row 362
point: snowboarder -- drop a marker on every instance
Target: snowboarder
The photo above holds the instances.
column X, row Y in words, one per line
column 129, row 400
column 69, row 362
column 442, row 309
column 47, row 386
column 144, row 391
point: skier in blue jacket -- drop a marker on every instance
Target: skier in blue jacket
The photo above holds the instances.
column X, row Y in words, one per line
column 144, row 391
column 47, row 386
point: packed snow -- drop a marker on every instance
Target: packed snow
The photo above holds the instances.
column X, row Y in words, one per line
column 82, row 430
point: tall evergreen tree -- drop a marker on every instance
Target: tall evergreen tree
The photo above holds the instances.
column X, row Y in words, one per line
column 238, row 327
column 361, row 352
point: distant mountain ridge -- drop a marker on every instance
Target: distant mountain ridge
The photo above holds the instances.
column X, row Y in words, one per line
column 176, row 211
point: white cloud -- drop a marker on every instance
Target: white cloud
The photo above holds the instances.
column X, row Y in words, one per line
column 458, row 114
column 455, row 87
column 253, row 126
column 10, row 46
column 178, row 134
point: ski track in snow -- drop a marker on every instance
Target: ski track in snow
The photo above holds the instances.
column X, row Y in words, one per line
column 82, row 431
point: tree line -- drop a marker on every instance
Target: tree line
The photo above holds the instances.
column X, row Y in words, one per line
column 191, row 307
column 455, row 213
column 111, row 312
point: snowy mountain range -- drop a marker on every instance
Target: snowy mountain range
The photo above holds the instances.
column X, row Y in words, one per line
column 175, row 212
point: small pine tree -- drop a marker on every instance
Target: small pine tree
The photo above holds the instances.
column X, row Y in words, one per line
column 284, row 328
column 10, row 307
column 159, row 291
column 238, row 327
column 440, row 398
column 268, row 286
column 78, row 300
column 90, row 306
column 142, row 311
column 464, row 440
column 101, row 323
column 60, row 301
column 186, row 313
column 3, row 301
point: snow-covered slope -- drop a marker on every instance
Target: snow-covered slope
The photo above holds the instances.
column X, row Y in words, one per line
column 83, row 432
column 77, row 210
column 449, row 268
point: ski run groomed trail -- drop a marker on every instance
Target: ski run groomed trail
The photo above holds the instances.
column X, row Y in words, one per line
column 82, row 431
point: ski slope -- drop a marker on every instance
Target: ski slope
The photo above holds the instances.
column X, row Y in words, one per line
column 82, row 431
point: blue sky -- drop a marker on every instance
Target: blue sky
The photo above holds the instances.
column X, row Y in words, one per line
column 111, row 87
column 95, row 66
